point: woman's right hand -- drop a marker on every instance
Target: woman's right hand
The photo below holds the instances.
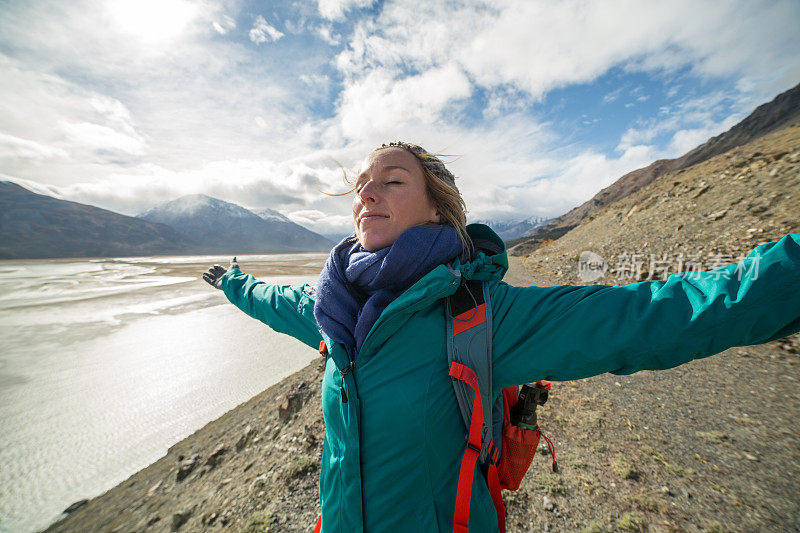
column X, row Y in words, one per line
column 214, row 275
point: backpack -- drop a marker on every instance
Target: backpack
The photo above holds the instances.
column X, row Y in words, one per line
column 469, row 354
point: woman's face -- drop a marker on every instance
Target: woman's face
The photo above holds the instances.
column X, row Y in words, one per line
column 390, row 198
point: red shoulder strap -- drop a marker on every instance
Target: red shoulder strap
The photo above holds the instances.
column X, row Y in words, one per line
column 470, row 459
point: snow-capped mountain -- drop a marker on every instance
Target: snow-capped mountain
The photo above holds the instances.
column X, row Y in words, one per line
column 512, row 229
column 223, row 227
column 270, row 214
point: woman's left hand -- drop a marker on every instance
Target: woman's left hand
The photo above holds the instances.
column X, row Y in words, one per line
column 214, row 275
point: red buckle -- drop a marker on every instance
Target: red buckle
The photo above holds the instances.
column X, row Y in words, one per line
column 323, row 348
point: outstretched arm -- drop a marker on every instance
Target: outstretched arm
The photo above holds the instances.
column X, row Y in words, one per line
column 285, row 308
column 569, row 332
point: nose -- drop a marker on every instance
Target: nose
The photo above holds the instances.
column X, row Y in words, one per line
column 367, row 194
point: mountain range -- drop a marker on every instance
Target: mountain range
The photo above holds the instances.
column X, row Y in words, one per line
column 513, row 229
column 38, row 226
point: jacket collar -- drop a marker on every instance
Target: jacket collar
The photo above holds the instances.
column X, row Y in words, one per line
column 489, row 263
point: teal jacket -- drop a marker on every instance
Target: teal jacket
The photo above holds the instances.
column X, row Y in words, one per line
column 392, row 451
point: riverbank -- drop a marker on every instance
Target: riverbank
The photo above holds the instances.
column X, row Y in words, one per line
column 713, row 445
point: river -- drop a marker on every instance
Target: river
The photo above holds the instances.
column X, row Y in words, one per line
column 105, row 363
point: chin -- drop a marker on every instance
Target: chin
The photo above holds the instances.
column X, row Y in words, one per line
column 373, row 243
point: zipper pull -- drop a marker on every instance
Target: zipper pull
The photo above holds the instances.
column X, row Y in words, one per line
column 341, row 383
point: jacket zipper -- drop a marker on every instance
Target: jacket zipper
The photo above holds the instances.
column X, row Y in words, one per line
column 348, row 368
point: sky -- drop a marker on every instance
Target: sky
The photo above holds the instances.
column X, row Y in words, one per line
column 537, row 104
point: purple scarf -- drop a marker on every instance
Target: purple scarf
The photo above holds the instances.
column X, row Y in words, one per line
column 355, row 285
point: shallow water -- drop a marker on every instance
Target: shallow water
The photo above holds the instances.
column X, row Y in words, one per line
column 104, row 364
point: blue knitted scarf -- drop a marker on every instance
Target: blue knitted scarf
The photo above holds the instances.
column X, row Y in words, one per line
column 355, row 285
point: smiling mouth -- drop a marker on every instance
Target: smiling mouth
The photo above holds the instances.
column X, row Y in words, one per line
column 365, row 218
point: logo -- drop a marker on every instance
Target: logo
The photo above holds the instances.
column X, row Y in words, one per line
column 591, row 267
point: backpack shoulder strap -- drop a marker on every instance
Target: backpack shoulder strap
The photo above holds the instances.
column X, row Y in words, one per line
column 469, row 343
column 469, row 353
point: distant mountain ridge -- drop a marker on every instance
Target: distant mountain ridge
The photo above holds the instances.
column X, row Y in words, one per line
column 229, row 228
column 782, row 111
column 37, row 226
column 513, row 229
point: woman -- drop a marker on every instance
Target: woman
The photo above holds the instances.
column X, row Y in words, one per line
column 394, row 435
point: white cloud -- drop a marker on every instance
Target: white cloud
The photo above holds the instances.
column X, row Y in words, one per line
column 612, row 96
column 262, row 32
column 689, row 123
column 326, row 34
column 539, row 46
column 100, row 137
column 15, row 147
column 321, row 222
column 336, row 9
column 223, row 25
column 686, row 139
column 379, row 104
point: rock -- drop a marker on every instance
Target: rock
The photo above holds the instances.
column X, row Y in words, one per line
column 750, row 457
column 718, row 214
column 75, row 506
column 548, row 504
column 290, row 403
column 154, row 488
column 186, row 466
column 151, row 519
column 703, row 188
column 245, row 439
column 216, row 456
column 259, row 483
column 665, row 490
column 180, row 518
column 543, row 449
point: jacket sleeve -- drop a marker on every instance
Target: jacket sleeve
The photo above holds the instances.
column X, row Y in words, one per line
column 569, row 332
column 284, row 308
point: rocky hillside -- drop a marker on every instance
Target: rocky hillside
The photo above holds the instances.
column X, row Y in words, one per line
column 38, row 226
column 783, row 110
column 720, row 209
